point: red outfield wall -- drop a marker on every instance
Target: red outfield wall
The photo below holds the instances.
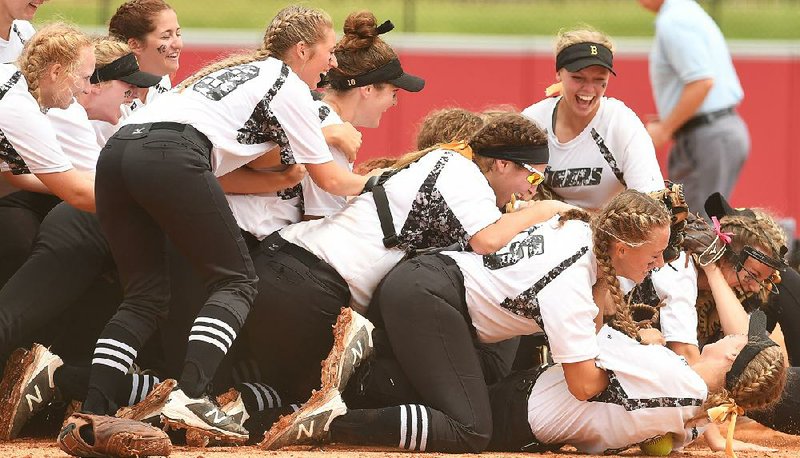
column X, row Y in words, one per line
column 479, row 79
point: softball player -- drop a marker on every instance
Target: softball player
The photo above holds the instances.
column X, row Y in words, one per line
column 652, row 392
column 433, row 306
column 157, row 179
column 599, row 146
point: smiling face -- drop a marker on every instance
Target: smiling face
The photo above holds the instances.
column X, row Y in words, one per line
column 20, row 9
column 159, row 51
column 583, row 89
column 310, row 61
column 507, row 178
column 103, row 100
column 59, row 86
column 752, row 277
column 636, row 262
column 376, row 99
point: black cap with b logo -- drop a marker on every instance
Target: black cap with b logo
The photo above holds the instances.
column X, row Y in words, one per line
column 581, row 55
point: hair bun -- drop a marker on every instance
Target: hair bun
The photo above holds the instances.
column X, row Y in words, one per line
column 360, row 30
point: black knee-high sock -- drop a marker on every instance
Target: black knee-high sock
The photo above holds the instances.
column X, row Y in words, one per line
column 405, row 426
column 72, row 382
column 135, row 387
column 245, row 370
column 212, row 335
column 258, row 396
column 261, row 422
column 114, row 354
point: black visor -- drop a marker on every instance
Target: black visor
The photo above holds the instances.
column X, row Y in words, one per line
column 527, row 154
column 581, row 55
column 757, row 340
column 391, row 72
column 124, row 69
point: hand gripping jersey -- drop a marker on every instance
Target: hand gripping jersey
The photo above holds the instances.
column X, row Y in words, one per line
column 245, row 111
column 437, row 201
column 614, row 152
column 541, row 280
column 28, row 141
column 675, row 285
column 652, row 391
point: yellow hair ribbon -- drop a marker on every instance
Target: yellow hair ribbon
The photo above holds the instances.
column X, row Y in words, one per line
column 553, row 89
column 725, row 412
column 459, row 147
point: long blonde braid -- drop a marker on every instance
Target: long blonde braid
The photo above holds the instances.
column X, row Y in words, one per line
column 629, row 218
column 290, row 26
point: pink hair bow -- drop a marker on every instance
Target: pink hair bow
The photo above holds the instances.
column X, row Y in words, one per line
column 724, row 236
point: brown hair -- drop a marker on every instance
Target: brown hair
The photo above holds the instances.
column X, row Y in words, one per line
column 134, row 19
column 447, row 125
column 56, row 43
column 361, row 49
column 290, row 26
column 509, row 129
column 630, row 218
column 369, row 165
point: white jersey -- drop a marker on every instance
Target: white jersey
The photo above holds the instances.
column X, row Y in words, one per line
column 316, row 201
column 21, row 32
column 76, row 136
column 651, row 392
column 541, row 280
column 264, row 213
column 437, row 201
column 28, row 141
column 614, row 152
column 245, row 111
column 675, row 285
column 104, row 130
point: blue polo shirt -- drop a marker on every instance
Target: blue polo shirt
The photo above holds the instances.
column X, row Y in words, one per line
column 689, row 47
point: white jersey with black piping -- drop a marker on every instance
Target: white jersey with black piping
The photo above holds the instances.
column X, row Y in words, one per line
column 76, row 136
column 245, row 111
column 104, row 130
column 28, row 142
column 541, row 280
column 19, row 34
column 440, row 200
column 652, row 391
column 614, row 152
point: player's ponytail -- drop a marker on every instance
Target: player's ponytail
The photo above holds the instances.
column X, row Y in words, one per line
column 628, row 218
column 290, row 26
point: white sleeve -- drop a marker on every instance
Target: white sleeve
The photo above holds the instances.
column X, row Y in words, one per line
column 676, row 285
column 468, row 195
column 295, row 111
column 639, row 164
column 31, row 135
column 568, row 312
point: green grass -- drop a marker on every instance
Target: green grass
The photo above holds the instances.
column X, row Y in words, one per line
column 742, row 19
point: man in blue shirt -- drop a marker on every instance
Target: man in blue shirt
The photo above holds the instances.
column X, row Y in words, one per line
column 696, row 90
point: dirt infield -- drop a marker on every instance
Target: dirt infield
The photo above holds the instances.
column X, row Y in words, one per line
column 787, row 446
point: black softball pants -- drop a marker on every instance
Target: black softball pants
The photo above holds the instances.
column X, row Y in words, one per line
column 154, row 181
column 423, row 307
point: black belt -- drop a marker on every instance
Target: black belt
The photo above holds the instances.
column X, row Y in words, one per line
column 185, row 128
column 274, row 243
column 705, row 118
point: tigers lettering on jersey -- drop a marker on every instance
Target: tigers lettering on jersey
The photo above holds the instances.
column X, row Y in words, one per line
column 217, row 85
column 570, row 178
column 532, row 245
column 526, row 304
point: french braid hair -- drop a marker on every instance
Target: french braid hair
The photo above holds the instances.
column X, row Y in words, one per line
column 760, row 232
column 507, row 129
column 629, row 218
column 447, row 125
column 759, row 386
column 56, row 43
column 290, row 26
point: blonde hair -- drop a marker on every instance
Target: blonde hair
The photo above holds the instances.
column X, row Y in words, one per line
column 582, row 34
column 447, row 125
column 361, row 49
column 56, row 43
column 290, row 26
column 759, row 386
column 509, row 129
column 629, row 218
column 107, row 50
